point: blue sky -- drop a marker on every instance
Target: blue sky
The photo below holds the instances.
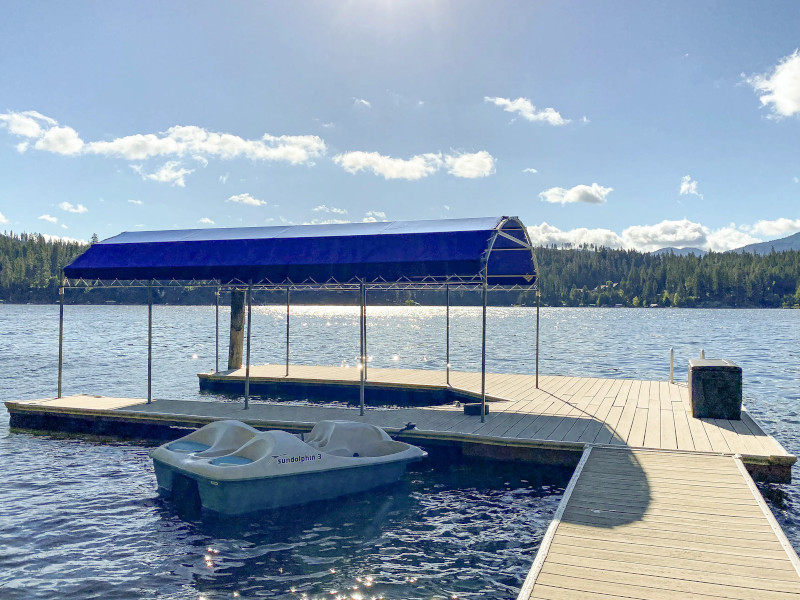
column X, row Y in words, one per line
column 630, row 124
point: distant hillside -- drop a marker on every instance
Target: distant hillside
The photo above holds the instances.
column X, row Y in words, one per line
column 679, row 251
column 788, row 243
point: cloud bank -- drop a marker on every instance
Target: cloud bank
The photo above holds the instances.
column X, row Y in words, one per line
column 179, row 142
column 646, row 238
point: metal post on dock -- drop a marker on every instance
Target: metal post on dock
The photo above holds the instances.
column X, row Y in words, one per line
column 60, row 331
column 247, row 368
column 287, row 331
column 364, row 326
column 447, row 331
column 362, row 360
column 216, row 334
column 150, row 342
column 671, row 365
column 538, row 302
column 483, row 353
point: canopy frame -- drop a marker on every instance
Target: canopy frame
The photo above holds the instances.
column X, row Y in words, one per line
column 485, row 280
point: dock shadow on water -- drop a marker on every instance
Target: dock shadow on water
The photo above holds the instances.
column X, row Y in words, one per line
column 465, row 530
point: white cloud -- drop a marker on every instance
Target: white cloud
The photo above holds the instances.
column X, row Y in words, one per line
column 545, row 235
column 63, row 226
column 589, row 194
column 683, row 233
column 178, row 141
column 329, row 209
column 59, row 238
column 223, row 179
column 48, row 218
column 61, row 140
column 78, row 209
column 778, row 227
column 414, row 168
column 246, row 198
column 647, row 238
column 170, row 172
column 780, row 89
column 373, row 216
column 3, row 219
column 137, row 202
column 321, row 221
column 198, row 142
column 206, row 221
column 526, row 109
column 689, row 186
column 362, row 102
column 728, row 238
column 470, row 166
column 530, row 170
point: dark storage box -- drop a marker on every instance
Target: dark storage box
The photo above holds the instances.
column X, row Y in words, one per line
column 715, row 389
column 474, row 408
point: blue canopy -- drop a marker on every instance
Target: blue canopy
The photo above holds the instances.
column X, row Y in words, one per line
column 459, row 250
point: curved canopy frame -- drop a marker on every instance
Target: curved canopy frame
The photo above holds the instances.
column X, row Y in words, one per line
column 466, row 252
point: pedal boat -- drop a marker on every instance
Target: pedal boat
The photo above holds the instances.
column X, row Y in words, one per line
column 233, row 468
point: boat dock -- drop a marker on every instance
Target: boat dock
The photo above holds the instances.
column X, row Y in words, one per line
column 651, row 525
column 660, row 503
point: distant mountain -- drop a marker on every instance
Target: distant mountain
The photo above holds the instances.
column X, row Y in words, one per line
column 680, row 251
column 788, row 243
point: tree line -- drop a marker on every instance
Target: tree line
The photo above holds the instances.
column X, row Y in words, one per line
column 30, row 266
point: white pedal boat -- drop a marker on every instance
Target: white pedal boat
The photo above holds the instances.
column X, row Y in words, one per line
column 236, row 469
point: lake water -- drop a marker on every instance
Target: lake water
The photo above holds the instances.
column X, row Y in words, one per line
column 79, row 518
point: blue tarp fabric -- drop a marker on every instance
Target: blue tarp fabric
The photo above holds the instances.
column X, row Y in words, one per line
column 394, row 251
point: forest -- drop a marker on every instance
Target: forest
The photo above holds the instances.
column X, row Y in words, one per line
column 589, row 276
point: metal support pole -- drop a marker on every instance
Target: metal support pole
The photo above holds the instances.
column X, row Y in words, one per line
column 447, row 332
column 483, row 355
column 672, row 365
column 363, row 360
column 216, row 354
column 538, row 302
column 150, row 343
column 60, row 332
column 287, row 331
column 247, row 368
column 364, row 326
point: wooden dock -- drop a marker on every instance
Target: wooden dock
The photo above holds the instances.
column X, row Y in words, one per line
column 572, row 411
column 662, row 525
column 661, row 505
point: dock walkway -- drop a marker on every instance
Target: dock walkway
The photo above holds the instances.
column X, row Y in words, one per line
column 662, row 525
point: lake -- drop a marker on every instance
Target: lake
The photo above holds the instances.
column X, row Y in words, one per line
column 82, row 518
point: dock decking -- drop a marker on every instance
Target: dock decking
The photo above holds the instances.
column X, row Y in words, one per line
column 660, row 506
column 568, row 410
column 662, row 525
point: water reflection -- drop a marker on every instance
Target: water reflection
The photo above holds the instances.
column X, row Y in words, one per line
column 444, row 531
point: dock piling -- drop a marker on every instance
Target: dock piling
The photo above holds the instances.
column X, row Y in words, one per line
column 236, row 343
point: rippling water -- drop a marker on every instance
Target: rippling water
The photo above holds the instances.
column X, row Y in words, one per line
column 82, row 518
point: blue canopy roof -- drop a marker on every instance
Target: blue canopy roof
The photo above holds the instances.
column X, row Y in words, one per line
column 444, row 250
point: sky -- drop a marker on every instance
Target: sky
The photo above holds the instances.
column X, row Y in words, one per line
column 627, row 124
